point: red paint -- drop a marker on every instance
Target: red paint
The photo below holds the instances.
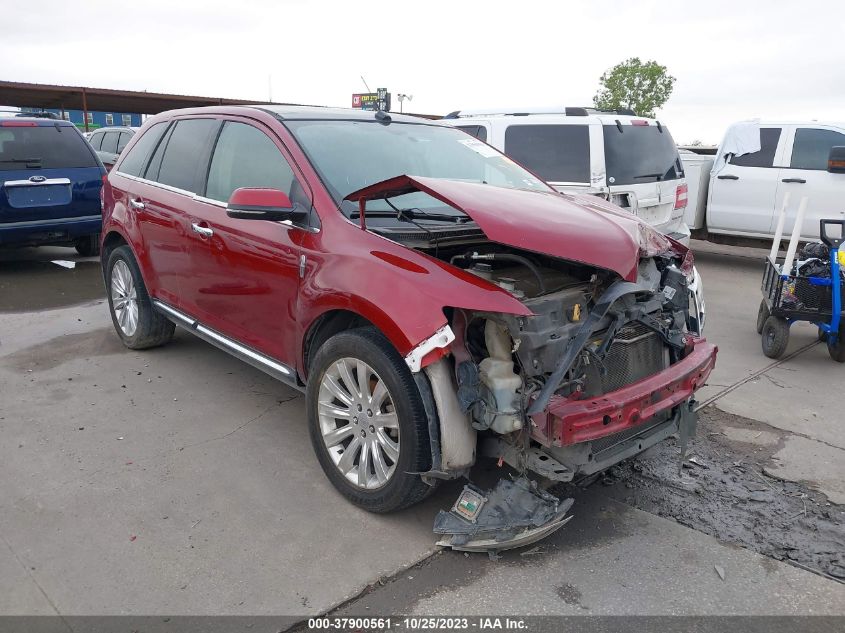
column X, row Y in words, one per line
column 259, row 197
column 536, row 221
column 569, row 421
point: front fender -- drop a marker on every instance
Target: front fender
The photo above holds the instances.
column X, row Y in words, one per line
column 401, row 291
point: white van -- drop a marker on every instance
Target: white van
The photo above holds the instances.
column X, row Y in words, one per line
column 747, row 188
column 632, row 161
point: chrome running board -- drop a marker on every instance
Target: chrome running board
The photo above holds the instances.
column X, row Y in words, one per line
column 274, row 368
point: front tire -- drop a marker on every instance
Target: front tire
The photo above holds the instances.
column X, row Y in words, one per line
column 135, row 319
column 367, row 422
column 775, row 336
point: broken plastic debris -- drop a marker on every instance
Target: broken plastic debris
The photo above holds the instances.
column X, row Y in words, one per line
column 513, row 514
column 720, row 570
column 64, row 263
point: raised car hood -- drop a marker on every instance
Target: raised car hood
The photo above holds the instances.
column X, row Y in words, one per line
column 548, row 223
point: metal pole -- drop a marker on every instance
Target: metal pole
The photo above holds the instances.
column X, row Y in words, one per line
column 85, row 108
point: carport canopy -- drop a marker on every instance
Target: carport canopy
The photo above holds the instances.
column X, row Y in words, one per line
column 27, row 95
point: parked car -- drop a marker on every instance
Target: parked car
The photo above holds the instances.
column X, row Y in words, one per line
column 629, row 160
column 109, row 142
column 420, row 312
column 50, row 185
column 746, row 189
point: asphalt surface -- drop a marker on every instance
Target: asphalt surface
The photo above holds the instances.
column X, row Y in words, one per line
column 181, row 481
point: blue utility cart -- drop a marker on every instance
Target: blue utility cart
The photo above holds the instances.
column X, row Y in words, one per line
column 788, row 298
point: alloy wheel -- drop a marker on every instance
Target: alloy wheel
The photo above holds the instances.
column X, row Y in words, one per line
column 358, row 423
column 124, row 298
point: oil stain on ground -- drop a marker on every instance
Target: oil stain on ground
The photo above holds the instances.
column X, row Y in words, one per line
column 61, row 349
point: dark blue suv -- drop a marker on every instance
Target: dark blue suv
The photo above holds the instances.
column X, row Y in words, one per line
column 50, row 184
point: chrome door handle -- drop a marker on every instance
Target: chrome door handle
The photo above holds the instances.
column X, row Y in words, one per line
column 203, row 231
column 136, row 204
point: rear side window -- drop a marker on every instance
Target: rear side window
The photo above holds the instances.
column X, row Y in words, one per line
column 640, row 154
column 556, row 153
column 246, row 157
column 478, row 131
column 812, row 147
column 96, row 140
column 48, row 147
column 181, row 162
column 109, row 142
column 135, row 161
column 769, row 137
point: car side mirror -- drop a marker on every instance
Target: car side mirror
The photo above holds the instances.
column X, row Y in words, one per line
column 836, row 160
column 254, row 203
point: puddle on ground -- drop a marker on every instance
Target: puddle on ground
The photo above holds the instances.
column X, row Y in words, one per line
column 64, row 348
column 30, row 280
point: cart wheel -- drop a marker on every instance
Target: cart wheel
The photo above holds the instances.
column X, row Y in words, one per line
column 762, row 314
column 775, row 336
column 837, row 350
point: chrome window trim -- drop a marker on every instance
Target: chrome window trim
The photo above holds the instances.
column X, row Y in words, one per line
column 31, row 183
column 274, row 368
column 81, row 218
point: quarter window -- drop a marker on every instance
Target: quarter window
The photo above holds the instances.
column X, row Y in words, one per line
column 137, row 157
column 246, row 157
column 812, row 147
column 96, row 141
column 769, row 137
column 556, row 153
column 181, row 163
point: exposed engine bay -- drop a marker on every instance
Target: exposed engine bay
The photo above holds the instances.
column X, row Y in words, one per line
column 590, row 334
column 599, row 362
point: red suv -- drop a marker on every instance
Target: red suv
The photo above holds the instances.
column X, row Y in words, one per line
column 423, row 289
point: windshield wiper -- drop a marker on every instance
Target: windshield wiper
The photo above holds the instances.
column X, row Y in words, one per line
column 655, row 176
column 409, row 215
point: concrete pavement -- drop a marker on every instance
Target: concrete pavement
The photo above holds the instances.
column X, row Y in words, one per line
column 800, row 395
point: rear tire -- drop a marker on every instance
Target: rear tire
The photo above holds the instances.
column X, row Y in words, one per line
column 837, row 350
column 88, row 246
column 762, row 314
column 136, row 321
column 378, row 421
column 775, row 336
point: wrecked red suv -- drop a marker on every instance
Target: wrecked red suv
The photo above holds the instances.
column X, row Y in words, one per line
column 435, row 301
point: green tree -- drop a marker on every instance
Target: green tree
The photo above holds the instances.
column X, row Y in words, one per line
column 642, row 87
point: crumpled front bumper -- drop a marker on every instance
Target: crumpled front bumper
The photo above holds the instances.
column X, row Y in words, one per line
column 568, row 421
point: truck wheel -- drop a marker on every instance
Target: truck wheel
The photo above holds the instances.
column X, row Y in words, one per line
column 367, row 422
column 762, row 315
column 837, row 350
column 775, row 336
column 137, row 323
column 88, row 246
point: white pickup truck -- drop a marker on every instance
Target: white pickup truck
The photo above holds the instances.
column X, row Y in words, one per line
column 736, row 195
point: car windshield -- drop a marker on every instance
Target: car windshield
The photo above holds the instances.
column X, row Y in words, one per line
column 350, row 155
column 50, row 146
column 640, row 154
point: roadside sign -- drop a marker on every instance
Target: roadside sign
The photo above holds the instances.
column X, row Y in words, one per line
column 372, row 100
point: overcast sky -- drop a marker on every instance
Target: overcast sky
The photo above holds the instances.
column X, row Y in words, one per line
column 732, row 60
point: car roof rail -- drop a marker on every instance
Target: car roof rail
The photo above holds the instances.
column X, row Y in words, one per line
column 619, row 111
column 568, row 111
column 38, row 115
